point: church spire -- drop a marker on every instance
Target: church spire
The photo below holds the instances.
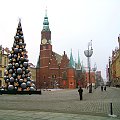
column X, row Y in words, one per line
column 78, row 59
column 71, row 62
column 78, row 67
column 46, row 22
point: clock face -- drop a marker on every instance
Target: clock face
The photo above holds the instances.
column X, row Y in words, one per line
column 44, row 41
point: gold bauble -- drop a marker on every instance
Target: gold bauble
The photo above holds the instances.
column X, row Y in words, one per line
column 25, row 80
column 17, row 46
column 9, row 75
column 19, row 89
column 19, row 76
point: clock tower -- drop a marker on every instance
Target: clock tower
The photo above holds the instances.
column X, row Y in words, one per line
column 45, row 46
column 45, row 53
column 52, row 70
column 46, row 33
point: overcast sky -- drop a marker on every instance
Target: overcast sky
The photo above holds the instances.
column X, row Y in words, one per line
column 73, row 23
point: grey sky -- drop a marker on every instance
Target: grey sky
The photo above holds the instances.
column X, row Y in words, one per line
column 73, row 23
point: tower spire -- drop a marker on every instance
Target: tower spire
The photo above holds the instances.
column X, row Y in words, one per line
column 46, row 12
column 46, row 22
column 78, row 58
column 78, row 67
column 71, row 62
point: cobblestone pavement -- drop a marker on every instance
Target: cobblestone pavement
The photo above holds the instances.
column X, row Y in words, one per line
column 35, row 115
column 62, row 103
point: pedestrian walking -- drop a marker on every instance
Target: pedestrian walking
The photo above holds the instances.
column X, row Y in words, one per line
column 80, row 90
column 104, row 88
column 101, row 88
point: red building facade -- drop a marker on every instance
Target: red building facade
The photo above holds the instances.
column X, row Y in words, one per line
column 53, row 70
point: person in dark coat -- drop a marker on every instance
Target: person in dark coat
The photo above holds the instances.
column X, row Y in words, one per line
column 104, row 88
column 80, row 90
column 101, row 88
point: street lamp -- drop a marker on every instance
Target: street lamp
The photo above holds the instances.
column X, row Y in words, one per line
column 88, row 53
column 94, row 69
column 109, row 71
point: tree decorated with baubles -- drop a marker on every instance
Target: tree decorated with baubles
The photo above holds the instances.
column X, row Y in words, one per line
column 17, row 75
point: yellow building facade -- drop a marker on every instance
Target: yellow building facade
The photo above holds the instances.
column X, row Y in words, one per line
column 3, row 64
column 33, row 71
column 115, row 66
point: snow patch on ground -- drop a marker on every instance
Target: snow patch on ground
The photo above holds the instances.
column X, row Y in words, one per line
column 52, row 89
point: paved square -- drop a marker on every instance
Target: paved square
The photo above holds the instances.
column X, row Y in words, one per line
column 61, row 104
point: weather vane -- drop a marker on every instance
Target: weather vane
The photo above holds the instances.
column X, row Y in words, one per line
column 46, row 11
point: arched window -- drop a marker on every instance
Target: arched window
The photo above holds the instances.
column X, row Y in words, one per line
column 53, row 76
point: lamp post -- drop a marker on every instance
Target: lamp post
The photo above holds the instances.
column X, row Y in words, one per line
column 109, row 71
column 94, row 69
column 88, row 53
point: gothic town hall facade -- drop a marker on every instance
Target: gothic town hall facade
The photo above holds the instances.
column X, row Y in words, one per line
column 53, row 70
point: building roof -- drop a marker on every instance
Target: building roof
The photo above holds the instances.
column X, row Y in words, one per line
column 31, row 65
column 58, row 57
column 38, row 63
column 4, row 51
column 71, row 62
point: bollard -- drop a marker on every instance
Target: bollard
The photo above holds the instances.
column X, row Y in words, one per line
column 111, row 109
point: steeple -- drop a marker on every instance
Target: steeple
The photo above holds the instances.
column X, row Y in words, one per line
column 78, row 58
column 71, row 62
column 46, row 22
column 45, row 33
column 78, row 67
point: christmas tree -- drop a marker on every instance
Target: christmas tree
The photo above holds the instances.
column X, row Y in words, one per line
column 17, row 75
